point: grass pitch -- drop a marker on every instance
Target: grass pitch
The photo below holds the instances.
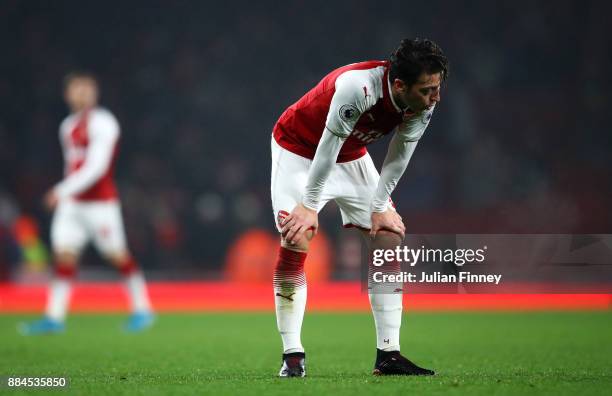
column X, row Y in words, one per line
column 239, row 353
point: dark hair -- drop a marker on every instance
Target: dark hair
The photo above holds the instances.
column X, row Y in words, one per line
column 414, row 57
column 79, row 74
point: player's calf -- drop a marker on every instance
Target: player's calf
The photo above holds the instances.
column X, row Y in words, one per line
column 135, row 284
column 384, row 239
column 385, row 297
column 58, row 299
column 60, row 288
column 290, row 297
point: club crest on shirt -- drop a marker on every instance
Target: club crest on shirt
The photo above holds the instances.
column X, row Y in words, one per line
column 348, row 112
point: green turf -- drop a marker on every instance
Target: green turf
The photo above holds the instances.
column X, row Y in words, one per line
column 473, row 353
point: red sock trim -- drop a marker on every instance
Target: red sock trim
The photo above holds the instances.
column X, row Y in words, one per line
column 66, row 271
column 128, row 267
column 289, row 271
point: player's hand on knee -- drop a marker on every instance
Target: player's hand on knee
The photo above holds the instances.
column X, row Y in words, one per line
column 388, row 220
column 301, row 219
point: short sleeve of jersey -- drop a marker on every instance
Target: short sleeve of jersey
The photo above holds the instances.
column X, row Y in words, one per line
column 413, row 128
column 103, row 125
column 348, row 103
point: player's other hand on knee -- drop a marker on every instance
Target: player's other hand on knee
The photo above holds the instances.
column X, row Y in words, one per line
column 388, row 220
column 301, row 219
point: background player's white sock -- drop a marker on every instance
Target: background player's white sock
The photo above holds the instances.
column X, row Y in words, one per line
column 137, row 290
column 290, row 298
column 60, row 288
column 136, row 287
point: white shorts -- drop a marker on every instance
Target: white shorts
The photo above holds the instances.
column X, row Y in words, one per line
column 77, row 223
column 351, row 185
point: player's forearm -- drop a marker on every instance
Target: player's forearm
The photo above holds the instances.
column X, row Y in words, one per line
column 78, row 182
column 97, row 163
column 395, row 164
column 324, row 159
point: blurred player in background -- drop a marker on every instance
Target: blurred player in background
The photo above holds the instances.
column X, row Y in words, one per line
column 87, row 207
column 319, row 154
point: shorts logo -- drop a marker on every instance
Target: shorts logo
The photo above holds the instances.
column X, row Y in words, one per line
column 349, row 112
column 104, row 232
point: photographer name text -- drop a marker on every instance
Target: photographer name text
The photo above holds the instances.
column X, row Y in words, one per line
column 435, row 277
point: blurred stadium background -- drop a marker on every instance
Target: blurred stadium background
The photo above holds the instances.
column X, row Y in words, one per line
column 520, row 143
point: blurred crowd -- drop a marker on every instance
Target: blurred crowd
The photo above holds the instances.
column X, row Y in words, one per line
column 519, row 144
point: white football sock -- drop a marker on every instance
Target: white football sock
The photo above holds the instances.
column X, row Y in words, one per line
column 137, row 291
column 58, row 299
column 290, row 297
column 387, row 311
column 289, row 316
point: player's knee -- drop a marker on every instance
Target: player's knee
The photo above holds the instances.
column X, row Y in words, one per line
column 124, row 262
column 118, row 259
column 66, row 258
column 388, row 238
column 301, row 245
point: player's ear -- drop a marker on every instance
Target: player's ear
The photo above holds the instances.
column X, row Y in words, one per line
column 399, row 85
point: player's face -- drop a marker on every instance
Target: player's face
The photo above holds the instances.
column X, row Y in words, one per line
column 423, row 94
column 81, row 93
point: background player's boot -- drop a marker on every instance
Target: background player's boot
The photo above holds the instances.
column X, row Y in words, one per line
column 392, row 363
column 294, row 365
column 41, row 326
column 139, row 321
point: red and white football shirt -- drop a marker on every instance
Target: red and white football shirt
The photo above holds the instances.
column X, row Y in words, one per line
column 89, row 141
column 353, row 101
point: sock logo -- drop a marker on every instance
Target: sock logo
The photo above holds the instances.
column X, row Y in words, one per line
column 288, row 297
